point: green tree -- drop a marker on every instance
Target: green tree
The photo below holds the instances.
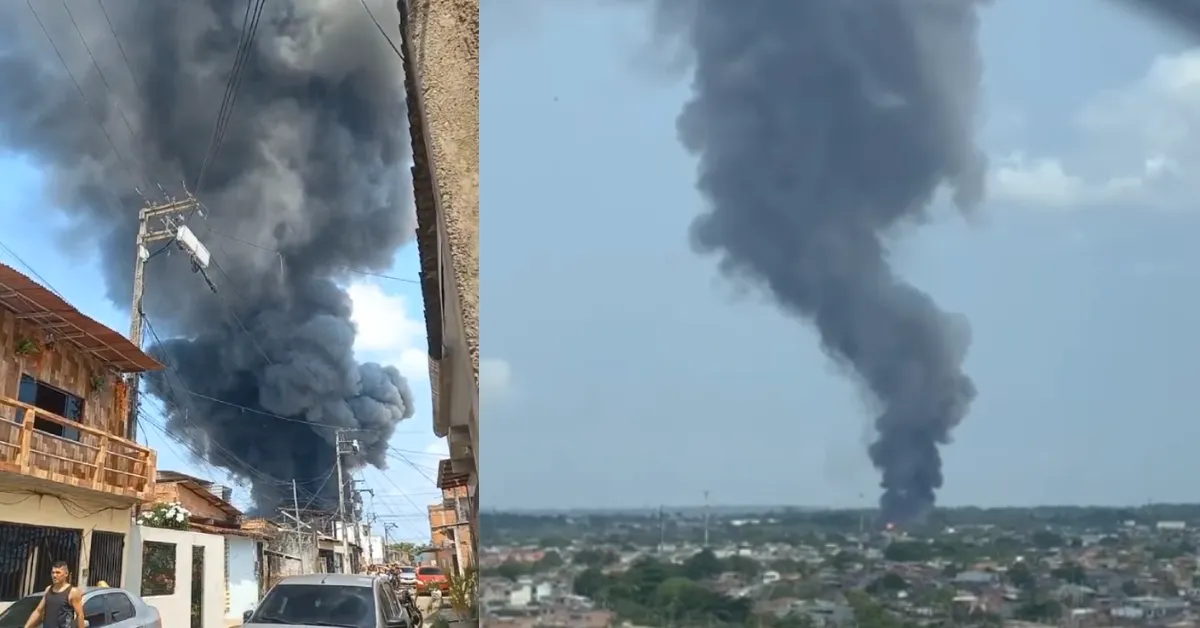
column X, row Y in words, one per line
column 549, row 561
column 590, row 583
column 908, row 552
column 1021, row 576
column 888, row 583
column 1072, row 573
column 1045, row 539
column 703, row 565
column 1131, row 589
column 511, row 569
column 594, row 558
column 743, row 566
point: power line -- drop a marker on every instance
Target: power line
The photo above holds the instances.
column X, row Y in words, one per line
column 107, row 88
column 87, row 103
column 31, row 269
column 261, row 247
column 381, row 31
column 225, row 112
column 112, row 29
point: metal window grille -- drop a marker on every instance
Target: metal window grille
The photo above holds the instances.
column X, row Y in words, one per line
column 107, row 558
column 28, row 552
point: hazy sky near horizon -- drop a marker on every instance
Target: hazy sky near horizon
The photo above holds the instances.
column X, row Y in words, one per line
column 639, row 376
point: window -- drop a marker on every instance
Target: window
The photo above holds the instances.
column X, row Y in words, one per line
column 95, row 612
column 46, row 397
column 317, row 604
column 429, row 571
column 119, row 606
column 19, row 612
column 389, row 605
column 158, row 568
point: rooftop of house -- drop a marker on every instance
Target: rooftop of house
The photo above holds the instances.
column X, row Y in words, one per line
column 448, row 479
column 200, row 488
column 62, row 322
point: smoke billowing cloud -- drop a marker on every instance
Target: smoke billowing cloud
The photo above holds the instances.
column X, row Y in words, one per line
column 313, row 169
column 819, row 126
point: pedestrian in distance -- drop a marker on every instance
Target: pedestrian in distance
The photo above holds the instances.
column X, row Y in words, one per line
column 62, row 603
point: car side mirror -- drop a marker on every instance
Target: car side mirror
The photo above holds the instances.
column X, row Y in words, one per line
column 246, row 615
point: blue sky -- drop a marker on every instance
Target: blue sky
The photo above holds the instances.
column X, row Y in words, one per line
column 391, row 331
column 640, row 377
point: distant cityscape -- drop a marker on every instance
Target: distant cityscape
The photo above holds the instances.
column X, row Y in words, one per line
column 796, row 567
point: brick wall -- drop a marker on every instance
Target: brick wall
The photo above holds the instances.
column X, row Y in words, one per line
column 189, row 499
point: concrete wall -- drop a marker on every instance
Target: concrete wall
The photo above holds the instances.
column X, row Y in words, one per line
column 243, row 576
column 50, row 511
column 176, row 607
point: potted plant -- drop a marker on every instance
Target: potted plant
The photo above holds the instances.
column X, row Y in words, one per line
column 26, row 346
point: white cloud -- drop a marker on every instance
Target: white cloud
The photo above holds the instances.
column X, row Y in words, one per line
column 1136, row 146
column 495, row 377
column 439, row 448
column 390, row 330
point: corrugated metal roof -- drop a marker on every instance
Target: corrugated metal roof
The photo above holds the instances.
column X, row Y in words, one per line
column 42, row 308
column 447, row 478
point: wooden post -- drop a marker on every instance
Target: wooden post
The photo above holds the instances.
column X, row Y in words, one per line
column 24, row 453
column 100, row 462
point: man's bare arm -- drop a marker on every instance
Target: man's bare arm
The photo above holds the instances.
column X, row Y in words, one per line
column 36, row 616
column 77, row 604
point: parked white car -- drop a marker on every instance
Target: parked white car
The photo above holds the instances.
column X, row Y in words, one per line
column 407, row 577
column 103, row 607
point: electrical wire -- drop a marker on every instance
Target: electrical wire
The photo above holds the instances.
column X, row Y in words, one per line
column 381, row 31
column 87, row 103
column 211, row 231
column 107, row 88
column 250, row 23
column 31, row 269
column 113, row 29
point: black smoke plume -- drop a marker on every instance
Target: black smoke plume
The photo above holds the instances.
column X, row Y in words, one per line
column 1183, row 15
column 821, row 126
column 311, row 172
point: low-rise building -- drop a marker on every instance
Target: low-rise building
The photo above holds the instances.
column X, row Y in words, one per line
column 69, row 479
column 450, row 521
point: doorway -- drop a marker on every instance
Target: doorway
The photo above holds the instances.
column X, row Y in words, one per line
column 197, row 586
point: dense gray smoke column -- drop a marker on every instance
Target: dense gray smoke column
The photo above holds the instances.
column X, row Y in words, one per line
column 819, row 126
column 313, row 166
column 1180, row 14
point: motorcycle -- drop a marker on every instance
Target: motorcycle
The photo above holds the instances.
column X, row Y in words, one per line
column 409, row 602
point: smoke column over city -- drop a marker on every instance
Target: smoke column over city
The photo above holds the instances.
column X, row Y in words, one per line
column 820, row 127
column 312, row 173
column 1183, row 15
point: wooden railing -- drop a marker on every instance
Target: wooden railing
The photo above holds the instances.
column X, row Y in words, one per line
column 84, row 457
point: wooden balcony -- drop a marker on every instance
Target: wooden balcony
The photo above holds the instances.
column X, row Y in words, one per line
column 86, row 461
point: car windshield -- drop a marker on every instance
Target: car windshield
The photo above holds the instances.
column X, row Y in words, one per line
column 317, row 605
column 430, row 571
column 407, row 570
column 19, row 612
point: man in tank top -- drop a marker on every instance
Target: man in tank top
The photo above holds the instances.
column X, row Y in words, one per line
column 61, row 605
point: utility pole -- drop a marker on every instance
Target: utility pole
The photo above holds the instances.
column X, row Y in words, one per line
column 387, row 543
column 158, row 223
column 356, row 512
column 706, row 519
column 296, row 504
column 662, row 530
column 341, row 445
